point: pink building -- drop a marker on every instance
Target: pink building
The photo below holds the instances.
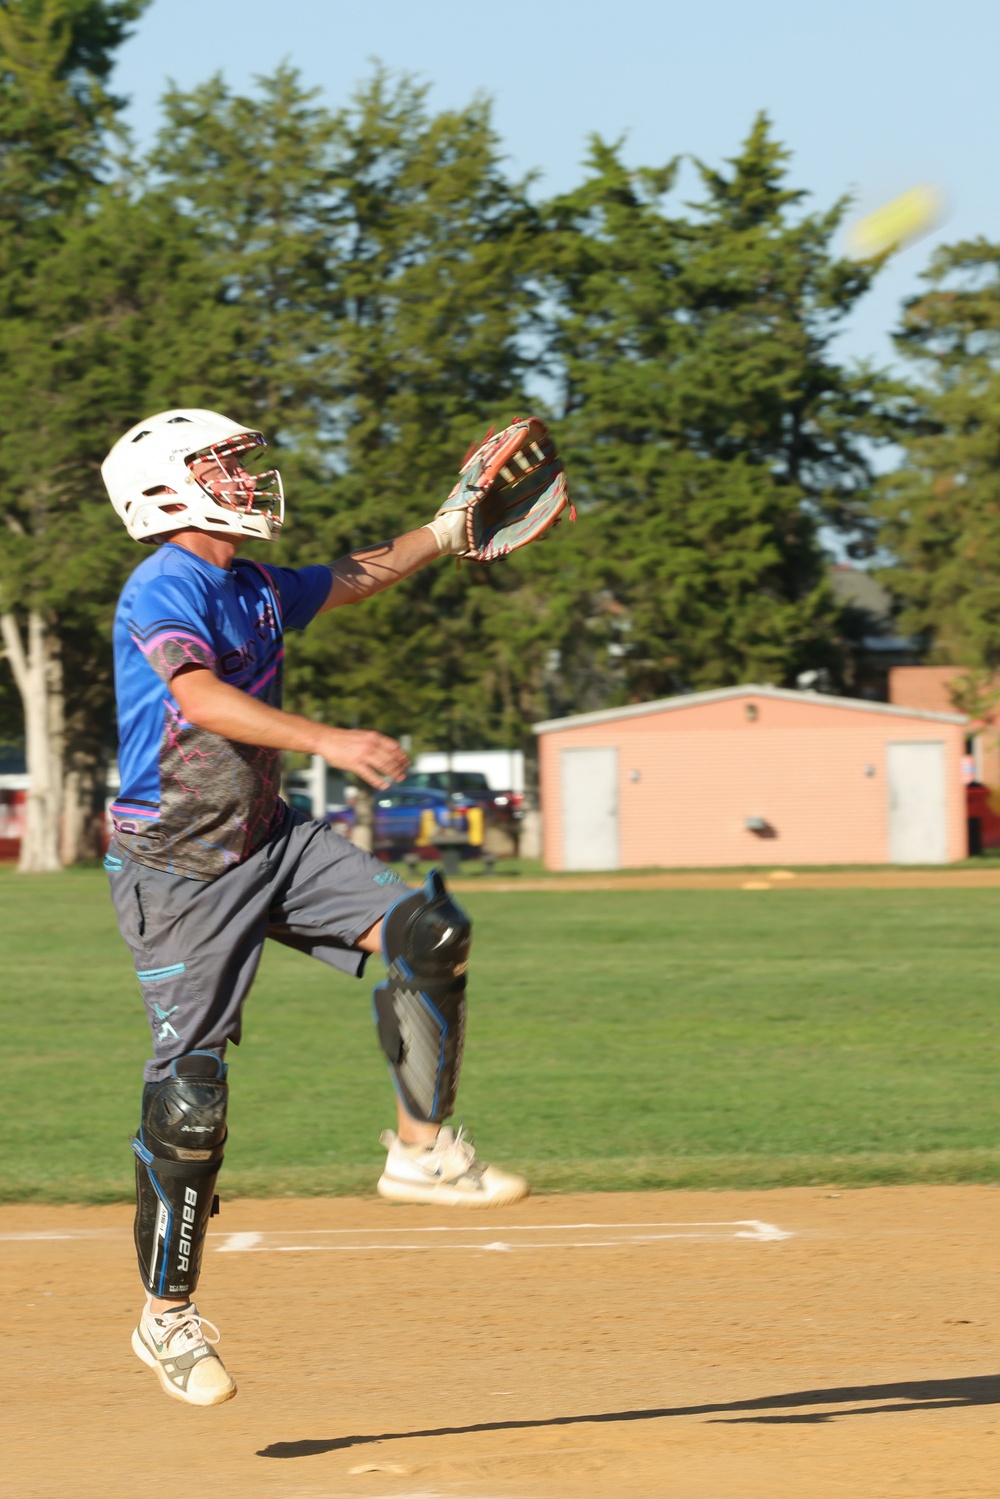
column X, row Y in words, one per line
column 752, row 775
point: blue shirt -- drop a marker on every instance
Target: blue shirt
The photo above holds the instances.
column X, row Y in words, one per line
column 192, row 802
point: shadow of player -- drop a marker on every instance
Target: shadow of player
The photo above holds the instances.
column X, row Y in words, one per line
column 910, row 1395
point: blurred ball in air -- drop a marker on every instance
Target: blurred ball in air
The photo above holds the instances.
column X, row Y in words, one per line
column 897, row 223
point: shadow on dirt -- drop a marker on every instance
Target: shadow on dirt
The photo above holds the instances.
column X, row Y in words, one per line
column 914, row 1395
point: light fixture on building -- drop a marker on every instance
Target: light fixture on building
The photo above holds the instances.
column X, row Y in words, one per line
column 751, row 712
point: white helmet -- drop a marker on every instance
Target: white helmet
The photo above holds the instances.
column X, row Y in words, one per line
column 153, row 489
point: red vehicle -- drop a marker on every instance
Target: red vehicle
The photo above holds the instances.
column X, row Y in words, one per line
column 983, row 811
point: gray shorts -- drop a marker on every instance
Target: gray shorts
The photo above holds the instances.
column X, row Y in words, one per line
column 196, row 944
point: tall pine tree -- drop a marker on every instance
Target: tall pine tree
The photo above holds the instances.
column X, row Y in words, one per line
column 941, row 508
column 711, row 429
column 55, row 113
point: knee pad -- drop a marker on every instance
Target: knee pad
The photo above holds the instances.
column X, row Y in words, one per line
column 179, row 1150
column 420, row 1008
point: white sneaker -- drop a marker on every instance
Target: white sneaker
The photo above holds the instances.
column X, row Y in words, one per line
column 446, row 1172
column 177, row 1346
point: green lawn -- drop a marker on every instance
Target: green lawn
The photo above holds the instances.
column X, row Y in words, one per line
column 658, row 1038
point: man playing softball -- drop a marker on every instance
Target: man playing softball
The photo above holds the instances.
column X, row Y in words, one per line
column 207, row 861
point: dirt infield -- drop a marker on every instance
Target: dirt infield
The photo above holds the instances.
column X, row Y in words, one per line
column 696, row 1345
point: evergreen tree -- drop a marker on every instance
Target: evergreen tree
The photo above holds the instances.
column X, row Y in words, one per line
column 437, row 296
column 55, row 60
column 711, row 430
column 55, row 112
column 74, row 368
column 941, row 508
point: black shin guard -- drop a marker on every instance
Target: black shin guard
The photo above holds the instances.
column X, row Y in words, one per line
column 420, row 1009
column 178, row 1154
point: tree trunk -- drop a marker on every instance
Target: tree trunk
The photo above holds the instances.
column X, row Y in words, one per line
column 85, row 767
column 80, row 835
column 363, row 833
column 38, row 675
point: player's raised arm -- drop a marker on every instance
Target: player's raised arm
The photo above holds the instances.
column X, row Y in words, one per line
column 511, row 490
column 371, row 569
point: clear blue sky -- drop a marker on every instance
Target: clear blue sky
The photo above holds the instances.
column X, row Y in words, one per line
column 872, row 96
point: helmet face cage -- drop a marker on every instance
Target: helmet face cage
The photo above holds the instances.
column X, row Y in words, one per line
column 250, row 494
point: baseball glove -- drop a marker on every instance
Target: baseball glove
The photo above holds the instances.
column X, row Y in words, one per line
column 511, row 490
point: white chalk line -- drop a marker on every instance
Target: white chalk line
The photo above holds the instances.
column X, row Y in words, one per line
column 383, row 1240
column 523, row 1236
column 42, row 1236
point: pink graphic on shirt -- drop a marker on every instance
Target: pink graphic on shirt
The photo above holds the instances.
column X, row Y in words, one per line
column 169, row 651
column 268, row 675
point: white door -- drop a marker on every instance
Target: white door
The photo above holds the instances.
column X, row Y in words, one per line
column 590, row 808
column 918, row 828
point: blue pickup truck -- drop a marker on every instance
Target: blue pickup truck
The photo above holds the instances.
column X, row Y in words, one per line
column 399, row 811
column 399, row 816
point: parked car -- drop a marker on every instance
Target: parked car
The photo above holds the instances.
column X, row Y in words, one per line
column 400, row 824
column 471, row 786
column 399, row 811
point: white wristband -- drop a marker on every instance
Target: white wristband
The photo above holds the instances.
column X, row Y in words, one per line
column 449, row 531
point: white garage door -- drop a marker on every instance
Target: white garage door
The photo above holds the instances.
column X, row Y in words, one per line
column 918, row 825
column 590, row 808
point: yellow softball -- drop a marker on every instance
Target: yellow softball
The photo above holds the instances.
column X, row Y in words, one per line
column 896, row 223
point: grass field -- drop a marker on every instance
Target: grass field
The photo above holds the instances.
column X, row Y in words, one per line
column 616, row 1039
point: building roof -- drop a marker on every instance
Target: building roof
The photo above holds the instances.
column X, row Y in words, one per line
column 721, row 694
column 869, row 611
column 856, row 588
